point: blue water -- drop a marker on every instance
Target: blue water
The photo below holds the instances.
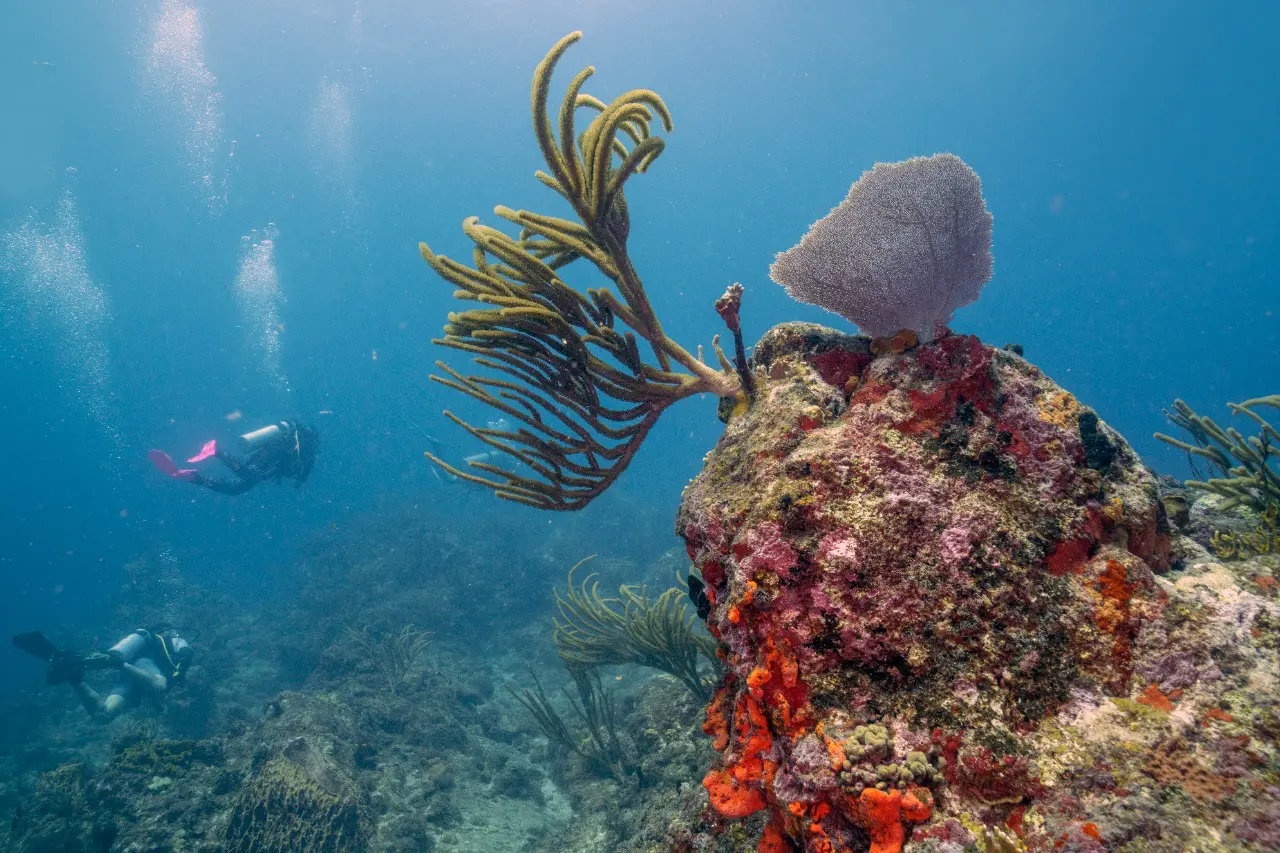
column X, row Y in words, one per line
column 1128, row 152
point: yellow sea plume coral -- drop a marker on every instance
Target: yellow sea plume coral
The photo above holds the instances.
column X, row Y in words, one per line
column 577, row 387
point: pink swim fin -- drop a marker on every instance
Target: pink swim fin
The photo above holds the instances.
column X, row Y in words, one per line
column 209, row 449
column 165, row 466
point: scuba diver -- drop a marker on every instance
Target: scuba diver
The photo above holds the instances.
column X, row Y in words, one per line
column 149, row 661
column 283, row 451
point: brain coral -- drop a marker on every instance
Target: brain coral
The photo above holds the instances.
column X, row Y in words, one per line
column 945, row 604
column 288, row 807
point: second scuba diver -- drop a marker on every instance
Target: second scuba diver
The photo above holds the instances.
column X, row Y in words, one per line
column 282, row 451
column 150, row 662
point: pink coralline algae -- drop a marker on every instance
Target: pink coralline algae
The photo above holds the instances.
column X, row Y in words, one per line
column 920, row 574
column 955, row 545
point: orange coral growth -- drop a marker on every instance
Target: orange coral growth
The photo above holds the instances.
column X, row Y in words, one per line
column 1116, row 594
column 735, row 615
column 1215, row 714
column 752, row 730
column 729, row 797
column 775, row 685
column 820, row 842
column 883, row 815
column 716, row 725
column 738, row 789
column 899, row 343
column 756, row 682
column 784, row 691
column 773, row 841
column 838, row 757
column 1156, row 699
column 1268, row 583
column 789, row 667
column 1091, row 830
column 1113, row 614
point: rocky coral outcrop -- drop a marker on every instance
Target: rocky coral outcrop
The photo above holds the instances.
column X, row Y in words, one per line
column 944, row 593
column 56, row 817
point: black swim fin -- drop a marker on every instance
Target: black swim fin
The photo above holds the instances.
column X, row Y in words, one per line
column 35, row 643
column 63, row 665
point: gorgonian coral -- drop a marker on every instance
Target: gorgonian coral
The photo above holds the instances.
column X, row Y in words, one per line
column 909, row 245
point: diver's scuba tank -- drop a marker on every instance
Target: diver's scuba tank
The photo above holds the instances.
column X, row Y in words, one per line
column 259, row 438
column 131, row 646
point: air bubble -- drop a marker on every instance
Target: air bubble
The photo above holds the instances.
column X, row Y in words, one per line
column 258, row 296
column 49, row 276
column 186, row 88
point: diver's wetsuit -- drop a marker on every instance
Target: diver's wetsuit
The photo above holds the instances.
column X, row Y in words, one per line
column 150, row 663
column 289, row 458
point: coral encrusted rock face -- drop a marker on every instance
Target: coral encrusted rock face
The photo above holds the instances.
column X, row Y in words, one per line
column 943, row 592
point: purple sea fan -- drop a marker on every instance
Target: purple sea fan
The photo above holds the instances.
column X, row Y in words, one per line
column 909, row 245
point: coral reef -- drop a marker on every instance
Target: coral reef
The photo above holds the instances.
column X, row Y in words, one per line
column 291, row 712
column 947, row 602
column 951, row 610
column 147, row 756
column 909, row 245
column 583, row 393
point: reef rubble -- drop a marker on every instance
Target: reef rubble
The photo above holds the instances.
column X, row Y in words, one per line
column 955, row 616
